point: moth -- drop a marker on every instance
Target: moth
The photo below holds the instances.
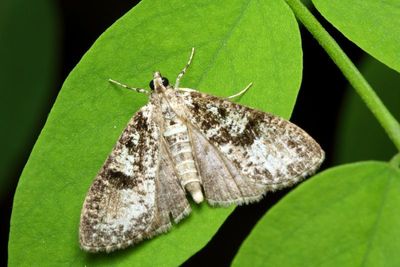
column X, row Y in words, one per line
column 181, row 143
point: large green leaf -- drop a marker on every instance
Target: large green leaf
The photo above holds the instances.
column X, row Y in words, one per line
column 372, row 24
column 237, row 42
column 359, row 135
column 345, row 216
column 27, row 59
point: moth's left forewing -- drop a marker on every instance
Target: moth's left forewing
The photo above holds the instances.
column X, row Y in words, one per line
column 266, row 148
column 136, row 194
column 120, row 204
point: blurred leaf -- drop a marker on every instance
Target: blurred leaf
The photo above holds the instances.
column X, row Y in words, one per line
column 373, row 25
column 359, row 135
column 345, row 216
column 27, row 53
column 237, row 42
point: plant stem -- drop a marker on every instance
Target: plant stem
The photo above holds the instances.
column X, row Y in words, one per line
column 395, row 161
column 353, row 75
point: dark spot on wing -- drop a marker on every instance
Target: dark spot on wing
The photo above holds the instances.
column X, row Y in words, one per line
column 141, row 122
column 120, row 180
column 222, row 112
column 291, row 144
column 206, row 119
column 129, row 143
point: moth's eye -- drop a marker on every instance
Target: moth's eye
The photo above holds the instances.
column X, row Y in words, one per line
column 165, row 82
column 151, row 85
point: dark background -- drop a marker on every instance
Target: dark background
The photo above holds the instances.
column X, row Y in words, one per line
column 79, row 23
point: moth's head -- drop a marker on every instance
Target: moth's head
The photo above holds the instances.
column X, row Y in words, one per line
column 158, row 83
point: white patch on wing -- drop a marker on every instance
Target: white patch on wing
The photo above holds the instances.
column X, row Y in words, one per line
column 133, row 206
column 236, row 123
column 212, row 132
column 124, row 163
column 135, row 138
column 226, row 148
column 213, row 109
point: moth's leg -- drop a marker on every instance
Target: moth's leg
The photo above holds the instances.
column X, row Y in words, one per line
column 187, row 90
column 178, row 79
column 241, row 92
column 138, row 90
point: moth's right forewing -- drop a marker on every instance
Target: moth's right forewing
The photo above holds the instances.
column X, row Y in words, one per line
column 265, row 148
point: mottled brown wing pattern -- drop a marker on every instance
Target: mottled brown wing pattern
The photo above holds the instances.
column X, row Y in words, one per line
column 266, row 149
column 131, row 197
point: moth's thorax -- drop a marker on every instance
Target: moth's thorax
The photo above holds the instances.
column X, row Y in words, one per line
column 169, row 96
column 178, row 139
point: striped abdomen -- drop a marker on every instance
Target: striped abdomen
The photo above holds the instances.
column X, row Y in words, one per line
column 177, row 137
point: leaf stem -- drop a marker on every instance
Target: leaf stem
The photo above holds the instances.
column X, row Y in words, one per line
column 349, row 70
column 395, row 161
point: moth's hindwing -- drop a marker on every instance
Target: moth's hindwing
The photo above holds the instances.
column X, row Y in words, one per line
column 135, row 191
column 243, row 153
column 222, row 181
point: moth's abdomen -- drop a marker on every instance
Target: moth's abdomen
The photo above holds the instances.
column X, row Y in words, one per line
column 178, row 140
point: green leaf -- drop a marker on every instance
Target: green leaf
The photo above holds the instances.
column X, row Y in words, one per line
column 345, row 216
column 27, row 54
column 352, row 142
column 236, row 42
column 373, row 25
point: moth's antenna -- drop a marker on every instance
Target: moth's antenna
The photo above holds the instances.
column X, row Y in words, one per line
column 138, row 90
column 178, row 79
column 241, row 92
